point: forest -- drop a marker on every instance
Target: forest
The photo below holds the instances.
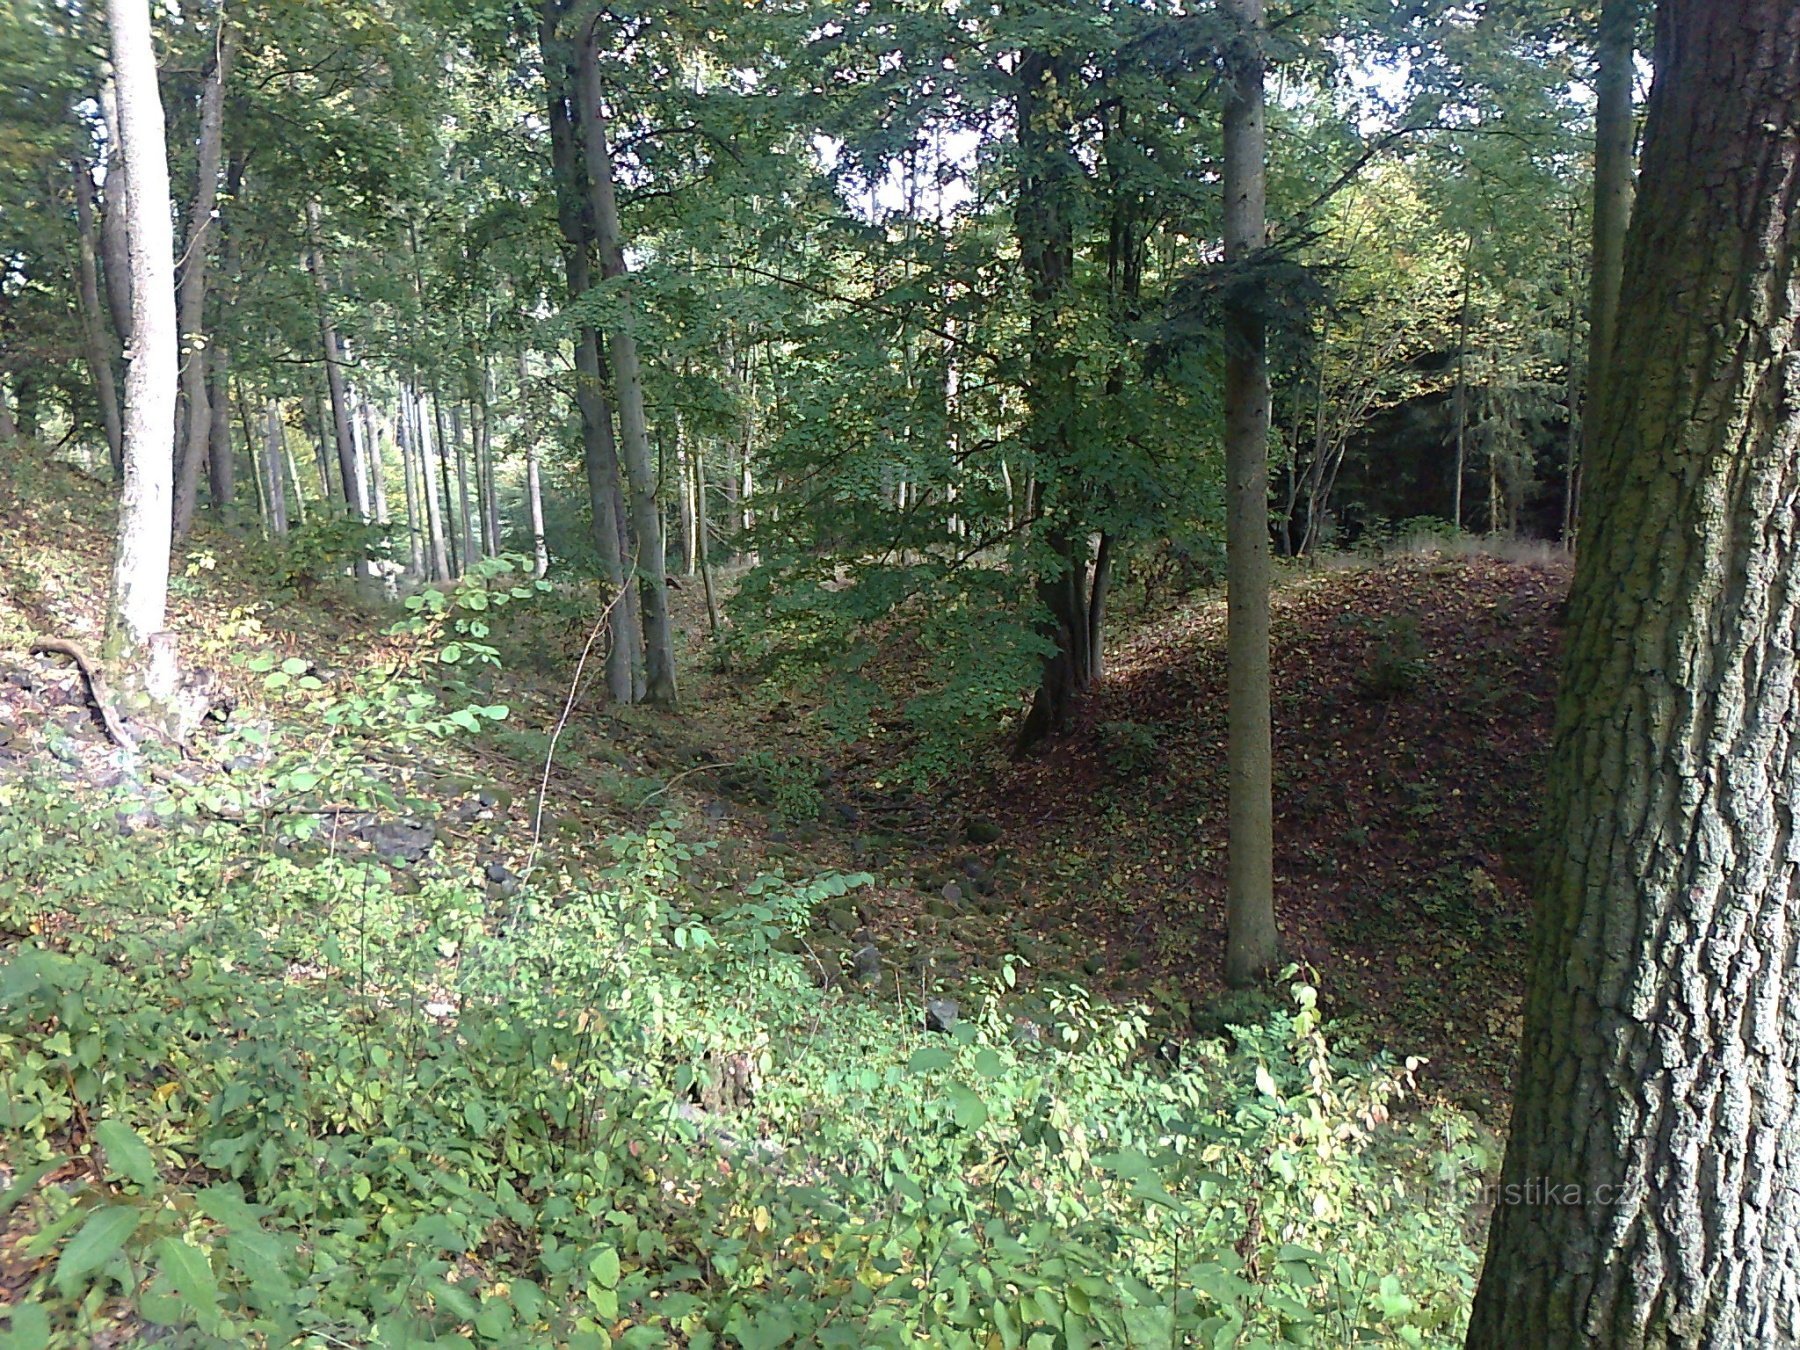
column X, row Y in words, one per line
column 1036, row 674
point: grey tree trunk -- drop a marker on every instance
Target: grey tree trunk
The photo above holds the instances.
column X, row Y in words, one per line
column 275, row 455
column 221, row 466
column 342, row 436
column 628, row 388
column 465, row 503
column 534, row 490
column 1462, row 389
column 430, row 474
column 1251, row 939
column 115, row 211
column 599, row 452
column 409, row 473
column 9, row 429
column 137, row 603
column 99, row 345
column 191, row 299
column 1651, row 1190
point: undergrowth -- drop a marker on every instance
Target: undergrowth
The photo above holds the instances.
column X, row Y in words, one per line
column 257, row 1087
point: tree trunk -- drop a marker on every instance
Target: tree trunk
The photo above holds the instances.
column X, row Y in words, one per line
column 465, row 500
column 191, row 300
column 599, row 455
column 93, row 322
column 221, row 467
column 9, row 429
column 275, row 454
column 700, row 542
column 429, row 476
column 628, row 388
column 138, row 601
column 403, row 437
column 1462, row 388
column 1615, row 133
column 355, row 495
column 115, row 210
column 534, row 491
column 1044, row 223
column 1251, row 940
column 1651, row 1190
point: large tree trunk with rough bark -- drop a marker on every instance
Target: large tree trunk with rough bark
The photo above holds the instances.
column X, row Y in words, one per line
column 628, row 389
column 191, row 299
column 138, row 601
column 1651, row 1190
column 93, row 323
column 1251, row 941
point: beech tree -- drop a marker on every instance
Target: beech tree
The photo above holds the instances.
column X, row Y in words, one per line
column 140, row 575
column 1651, row 1189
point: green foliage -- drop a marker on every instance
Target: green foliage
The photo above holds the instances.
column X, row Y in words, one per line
column 787, row 784
column 313, row 1104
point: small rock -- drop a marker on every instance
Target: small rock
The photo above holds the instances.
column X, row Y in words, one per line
column 843, row 919
column 867, row 964
column 952, row 892
column 847, row 813
column 715, row 811
column 940, row 1014
column 408, row 840
column 498, row 873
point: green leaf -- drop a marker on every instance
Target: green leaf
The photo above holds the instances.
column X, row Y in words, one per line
column 989, row 1063
column 968, row 1110
column 126, row 1153
column 30, row 1328
column 927, row 1058
column 451, row 654
column 101, row 1238
column 186, row 1267
column 603, row 1265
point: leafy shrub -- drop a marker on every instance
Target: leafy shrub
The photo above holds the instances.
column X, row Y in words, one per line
column 1132, row 749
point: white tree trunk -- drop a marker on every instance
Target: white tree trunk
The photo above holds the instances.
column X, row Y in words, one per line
column 138, row 601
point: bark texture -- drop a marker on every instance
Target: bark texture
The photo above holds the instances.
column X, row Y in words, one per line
column 140, row 578
column 1660, row 1072
column 1251, row 941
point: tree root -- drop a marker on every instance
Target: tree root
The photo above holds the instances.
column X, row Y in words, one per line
column 96, row 686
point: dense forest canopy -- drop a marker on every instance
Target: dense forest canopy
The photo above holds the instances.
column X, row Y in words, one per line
column 1048, row 673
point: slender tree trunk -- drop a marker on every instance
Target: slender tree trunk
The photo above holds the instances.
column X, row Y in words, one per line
column 275, row 454
column 343, row 437
column 1044, row 223
column 430, row 474
column 465, row 502
column 1462, row 388
column 490, row 499
column 191, row 299
column 599, row 451
column 115, row 210
column 1615, row 133
column 93, row 322
column 1651, row 1191
column 628, row 388
column 259, row 481
column 9, row 429
column 409, row 472
column 1251, row 939
column 138, row 600
column 534, row 491
column 701, row 526
column 221, row 466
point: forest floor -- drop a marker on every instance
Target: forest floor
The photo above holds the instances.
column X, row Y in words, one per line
column 1412, row 706
column 1412, row 710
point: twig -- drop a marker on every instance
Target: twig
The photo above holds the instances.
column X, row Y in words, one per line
column 537, row 816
